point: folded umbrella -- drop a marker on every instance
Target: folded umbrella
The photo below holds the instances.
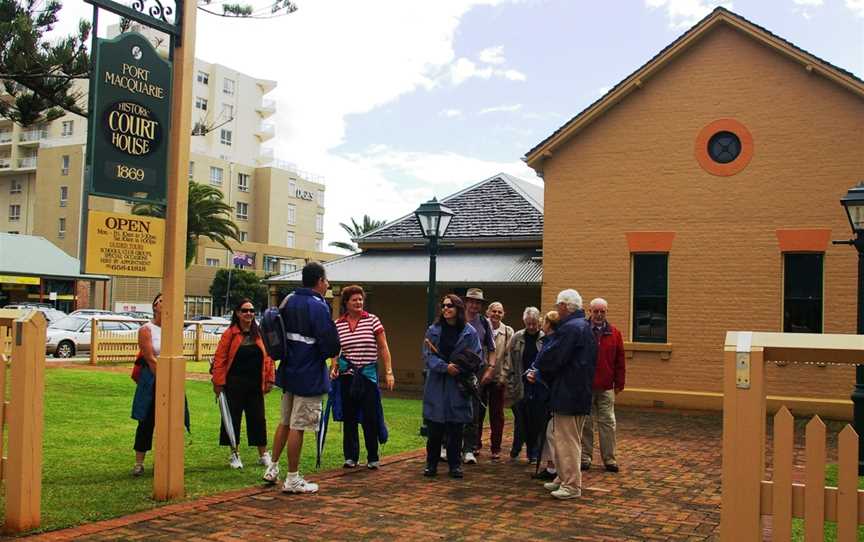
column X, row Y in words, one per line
column 227, row 422
column 322, row 431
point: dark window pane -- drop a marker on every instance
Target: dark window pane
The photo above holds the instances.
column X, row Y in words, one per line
column 650, row 276
column 802, row 293
column 724, row 147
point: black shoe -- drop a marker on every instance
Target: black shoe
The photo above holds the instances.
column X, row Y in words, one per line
column 456, row 473
column 430, row 472
column 612, row 467
column 585, row 466
column 544, row 475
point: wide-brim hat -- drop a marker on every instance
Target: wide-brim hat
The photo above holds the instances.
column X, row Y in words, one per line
column 476, row 294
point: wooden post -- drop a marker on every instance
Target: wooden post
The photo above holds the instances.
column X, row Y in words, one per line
column 168, row 482
column 743, row 443
column 94, row 340
column 24, row 466
column 199, row 342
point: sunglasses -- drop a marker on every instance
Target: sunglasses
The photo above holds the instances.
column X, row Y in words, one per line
column 447, row 305
column 247, row 311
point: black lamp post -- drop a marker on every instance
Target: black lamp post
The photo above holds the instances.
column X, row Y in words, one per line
column 853, row 203
column 433, row 219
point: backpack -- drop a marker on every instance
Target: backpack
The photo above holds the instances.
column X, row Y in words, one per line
column 273, row 332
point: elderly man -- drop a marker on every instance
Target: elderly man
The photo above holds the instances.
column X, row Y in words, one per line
column 567, row 363
column 529, row 410
column 608, row 382
column 474, row 302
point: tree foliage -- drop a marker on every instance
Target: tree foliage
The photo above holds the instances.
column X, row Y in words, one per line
column 209, row 216
column 356, row 230
column 243, row 284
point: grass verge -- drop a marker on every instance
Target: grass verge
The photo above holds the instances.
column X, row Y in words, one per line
column 830, row 526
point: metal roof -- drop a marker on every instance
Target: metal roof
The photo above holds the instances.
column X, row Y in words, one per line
column 480, row 266
column 37, row 257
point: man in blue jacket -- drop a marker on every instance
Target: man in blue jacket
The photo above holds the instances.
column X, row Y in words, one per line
column 311, row 338
column 568, row 365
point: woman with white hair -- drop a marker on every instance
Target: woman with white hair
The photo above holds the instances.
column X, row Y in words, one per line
column 521, row 351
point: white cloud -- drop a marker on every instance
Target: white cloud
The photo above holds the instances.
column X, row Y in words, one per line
column 493, row 55
column 501, row 109
column 603, row 90
column 685, row 13
column 805, row 7
column 463, row 69
column 450, row 113
column 857, row 7
column 810, row 3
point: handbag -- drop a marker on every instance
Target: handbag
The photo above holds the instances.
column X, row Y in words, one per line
column 136, row 368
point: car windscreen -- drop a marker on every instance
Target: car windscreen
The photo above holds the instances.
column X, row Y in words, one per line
column 70, row 323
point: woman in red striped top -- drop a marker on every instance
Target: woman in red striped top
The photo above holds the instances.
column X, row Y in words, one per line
column 363, row 343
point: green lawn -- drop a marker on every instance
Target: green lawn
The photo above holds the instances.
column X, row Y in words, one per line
column 830, row 526
column 88, row 454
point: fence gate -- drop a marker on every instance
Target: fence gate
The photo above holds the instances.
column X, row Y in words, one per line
column 746, row 495
column 21, row 415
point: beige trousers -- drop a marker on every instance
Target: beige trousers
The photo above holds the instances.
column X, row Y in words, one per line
column 603, row 414
column 567, row 442
column 548, row 453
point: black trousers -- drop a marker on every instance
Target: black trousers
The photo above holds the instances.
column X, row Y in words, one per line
column 444, row 433
column 351, row 409
column 245, row 395
column 144, row 431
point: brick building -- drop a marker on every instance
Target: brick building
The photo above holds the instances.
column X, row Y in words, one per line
column 709, row 183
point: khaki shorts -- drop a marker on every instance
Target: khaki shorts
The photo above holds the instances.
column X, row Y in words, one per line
column 301, row 413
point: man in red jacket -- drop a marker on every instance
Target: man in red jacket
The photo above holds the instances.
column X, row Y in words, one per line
column 608, row 382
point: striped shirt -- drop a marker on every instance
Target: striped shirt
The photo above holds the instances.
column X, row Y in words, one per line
column 359, row 345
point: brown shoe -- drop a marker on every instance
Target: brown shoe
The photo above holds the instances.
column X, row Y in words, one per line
column 612, row 467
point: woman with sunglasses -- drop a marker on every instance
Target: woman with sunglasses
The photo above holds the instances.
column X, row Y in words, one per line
column 446, row 408
column 244, row 371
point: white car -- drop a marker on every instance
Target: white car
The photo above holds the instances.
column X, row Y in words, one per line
column 50, row 313
column 71, row 335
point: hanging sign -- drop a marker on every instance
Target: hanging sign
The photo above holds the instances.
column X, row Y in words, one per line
column 124, row 245
column 131, row 118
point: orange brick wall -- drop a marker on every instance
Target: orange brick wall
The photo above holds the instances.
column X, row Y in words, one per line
column 634, row 169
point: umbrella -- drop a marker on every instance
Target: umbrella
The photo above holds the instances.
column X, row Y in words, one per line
column 227, row 422
column 322, row 432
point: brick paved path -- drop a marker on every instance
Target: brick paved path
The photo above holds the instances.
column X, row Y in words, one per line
column 668, row 489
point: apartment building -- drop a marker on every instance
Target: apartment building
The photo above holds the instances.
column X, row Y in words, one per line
column 278, row 208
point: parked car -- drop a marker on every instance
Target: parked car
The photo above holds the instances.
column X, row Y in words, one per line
column 51, row 314
column 103, row 312
column 137, row 315
column 212, row 326
column 71, row 335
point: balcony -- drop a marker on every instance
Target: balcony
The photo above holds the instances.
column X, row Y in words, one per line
column 33, row 136
column 265, row 131
column 28, row 162
column 5, row 138
column 266, row 108
column 5, row 163
column 265, row 157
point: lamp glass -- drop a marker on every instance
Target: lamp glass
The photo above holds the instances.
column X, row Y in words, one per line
column 444, row 221
column 855, row 210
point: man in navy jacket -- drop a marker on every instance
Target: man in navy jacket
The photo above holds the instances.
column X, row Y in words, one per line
column 568, row 365
column 311, row 338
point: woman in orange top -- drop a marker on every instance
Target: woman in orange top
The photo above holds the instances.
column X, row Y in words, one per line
column 244, row 371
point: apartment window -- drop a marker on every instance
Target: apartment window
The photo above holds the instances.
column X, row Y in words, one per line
column 292, row 189
column 67, row 128
column 64, row 196
column 216, row 176
column 319, row 245
column 14, row 213
column 64, row 166
column 286, row 267
column 212, row 262
column 227, row 111
column 228, row 87
column 650, row 296
column 203, row 77
column 321, row 198
column 200, row 103
column 226, row 137
column 244, row 236
column 292, row 214
column 191, row 170
column 290, row 239
column 242, row 210
column 802, row 293
column 243, row 182
column 15, row 187
column 61, row 228
column 319, row 223
column 13, row 232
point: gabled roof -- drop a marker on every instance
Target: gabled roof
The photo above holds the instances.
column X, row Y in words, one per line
column 720, row 15
column 36, row 256
column 500, row 208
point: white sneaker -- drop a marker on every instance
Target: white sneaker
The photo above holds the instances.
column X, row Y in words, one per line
column 373, row 465
column 298, row 485
column 443, row 454
column 552, row 486
column 470, row 459
column 564, row 493
column 235, row 461
column 349, row 464
column 265, row 459
column 271, row 473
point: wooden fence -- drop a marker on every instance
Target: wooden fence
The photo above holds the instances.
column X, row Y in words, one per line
column 108, row 346
column 21, row 418
column 746, row 495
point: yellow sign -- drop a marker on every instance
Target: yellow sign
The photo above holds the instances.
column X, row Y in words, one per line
column 12, row 279
column 124, row 245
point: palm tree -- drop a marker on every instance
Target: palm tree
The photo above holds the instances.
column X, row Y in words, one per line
column 209, row 216
column 356, row 230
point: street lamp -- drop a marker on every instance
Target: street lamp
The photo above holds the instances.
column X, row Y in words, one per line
column 433, row 219
column 853, row 204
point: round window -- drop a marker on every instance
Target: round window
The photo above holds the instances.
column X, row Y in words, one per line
column 724, row 147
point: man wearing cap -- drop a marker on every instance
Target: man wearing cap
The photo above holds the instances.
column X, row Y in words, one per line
column 474, row 302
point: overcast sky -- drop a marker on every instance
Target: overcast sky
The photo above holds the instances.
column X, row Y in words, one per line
column 396, row 101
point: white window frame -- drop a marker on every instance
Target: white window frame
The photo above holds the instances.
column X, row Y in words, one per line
column 228, row 111
column 212, row 262
column 203, row 77
column 191, row 170
column 244, row 214
column 244, row 236
column 217, row 175
column 225, row 137
column 292, row 214
column 61, row 228
column 65, row 163
column 292, row 188
column 16, row 187
column 228, row 87
column 201, row 103
column 319, row 245
column 321, row 198
column 64, row 196
column 319, row 223
column 14, row 212
column 243, row 182
column 67, row 128
column 290, row 239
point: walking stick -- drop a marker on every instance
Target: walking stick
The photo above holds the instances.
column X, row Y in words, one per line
column 540, row 449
